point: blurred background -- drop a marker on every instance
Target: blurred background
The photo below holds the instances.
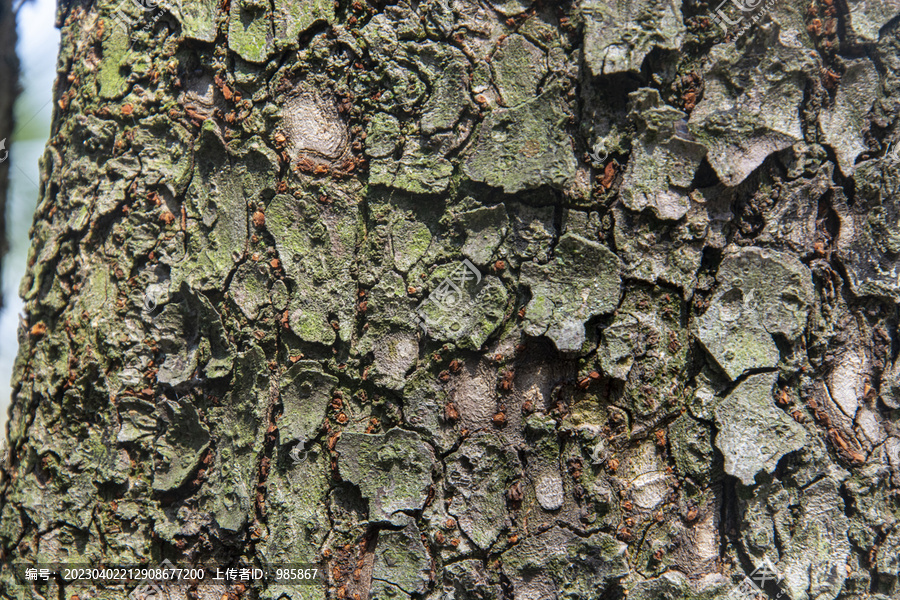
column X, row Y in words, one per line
column 37, row 48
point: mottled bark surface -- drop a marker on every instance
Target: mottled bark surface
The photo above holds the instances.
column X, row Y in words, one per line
column 669, row 359
column 9, row 78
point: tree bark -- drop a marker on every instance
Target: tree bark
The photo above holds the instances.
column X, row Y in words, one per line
column 466, row 299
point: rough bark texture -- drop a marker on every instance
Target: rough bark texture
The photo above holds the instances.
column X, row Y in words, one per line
column 9, row 81
column 670, row 358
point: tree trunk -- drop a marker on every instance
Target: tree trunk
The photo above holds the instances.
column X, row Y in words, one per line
column 9, row 75
column 466, row 299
